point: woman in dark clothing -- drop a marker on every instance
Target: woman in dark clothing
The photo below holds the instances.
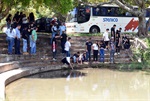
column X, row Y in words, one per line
column 63, row 41
column 31, row 17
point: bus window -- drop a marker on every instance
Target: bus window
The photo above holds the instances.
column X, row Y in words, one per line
column 148, row 12
column 116, row 12
column 96, row 11
column 83, row 15
column 103, row 11
column 111, row 11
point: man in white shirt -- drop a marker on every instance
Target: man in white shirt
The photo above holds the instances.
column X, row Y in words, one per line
column 106, row 38
column 67, row 47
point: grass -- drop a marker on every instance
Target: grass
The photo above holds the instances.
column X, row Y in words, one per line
column 85, row 34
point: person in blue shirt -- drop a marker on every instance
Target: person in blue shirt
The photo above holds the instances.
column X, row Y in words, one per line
column 17, row 39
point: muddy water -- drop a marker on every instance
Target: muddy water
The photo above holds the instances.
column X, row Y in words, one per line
column 82, row 85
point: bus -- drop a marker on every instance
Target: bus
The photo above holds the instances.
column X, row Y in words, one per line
column 90, row 19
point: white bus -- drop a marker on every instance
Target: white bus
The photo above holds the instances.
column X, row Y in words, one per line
column 89, row 19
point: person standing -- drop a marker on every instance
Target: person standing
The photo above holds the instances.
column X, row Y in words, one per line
column 54, row 31
column 62, row 28
column 30, row 29
column 113, row 32
column 67, row 47
column 102, row 52
column 89, row 47
column 24, row 21
column 95, row 47
column 119, row 32
column 63, row 41
column 33, row 41
column 106, row 38
column 17, row 39
column 112, row 50
column 118, row 42
column 31, row 17
column 10, row 32
column 25, row 35
column 8, row 21
column 54, row 46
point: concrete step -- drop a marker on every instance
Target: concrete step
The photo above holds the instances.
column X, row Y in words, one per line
column 48, row 60
column 40, row 54
column 4, row 67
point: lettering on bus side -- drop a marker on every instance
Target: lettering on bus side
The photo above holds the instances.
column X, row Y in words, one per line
column 110, row 19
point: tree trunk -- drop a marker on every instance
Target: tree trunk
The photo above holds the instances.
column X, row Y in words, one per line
column 142, row 26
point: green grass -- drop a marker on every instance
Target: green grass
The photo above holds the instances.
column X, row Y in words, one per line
column 85, row 34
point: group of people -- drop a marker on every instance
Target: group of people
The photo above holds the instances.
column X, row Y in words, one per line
column 112, row 43
column 20, row 27
column 28, row 36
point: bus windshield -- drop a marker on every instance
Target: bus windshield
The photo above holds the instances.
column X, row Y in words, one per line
column 72, row 16
column 83, row 14
column 79, row 14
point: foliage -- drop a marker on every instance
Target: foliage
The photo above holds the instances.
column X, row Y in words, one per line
column 147, row 40
column 58, row 6
column 146, row 55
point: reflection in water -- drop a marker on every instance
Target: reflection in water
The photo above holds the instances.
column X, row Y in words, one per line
column 58, row 74
column 83, row 85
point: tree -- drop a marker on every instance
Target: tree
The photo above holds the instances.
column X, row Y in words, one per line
column 6, row 5
column 59, row 6
column 128, row 6
column 140, row 13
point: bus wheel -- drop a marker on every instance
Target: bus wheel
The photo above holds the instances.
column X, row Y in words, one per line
column 94, row 29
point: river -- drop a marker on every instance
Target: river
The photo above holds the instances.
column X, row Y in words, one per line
column 82, row 85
